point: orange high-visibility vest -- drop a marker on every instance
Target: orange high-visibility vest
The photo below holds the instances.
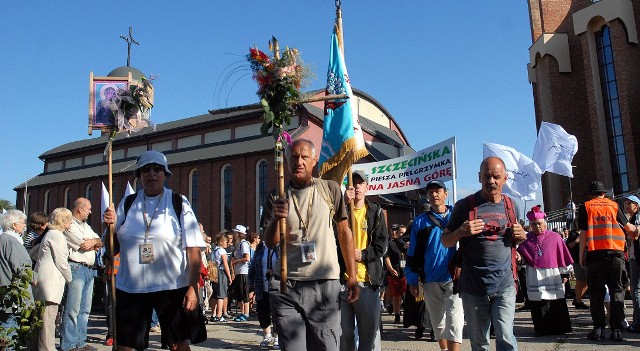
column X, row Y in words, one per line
column 603, row 230
column 116, row 265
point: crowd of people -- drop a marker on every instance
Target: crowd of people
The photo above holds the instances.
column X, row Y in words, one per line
column 449, row 267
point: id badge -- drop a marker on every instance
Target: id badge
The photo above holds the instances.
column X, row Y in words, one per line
column 308, row 250
column 146, row 253
column 403, row 263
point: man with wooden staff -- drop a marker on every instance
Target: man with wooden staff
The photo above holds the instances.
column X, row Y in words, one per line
column 307, row 314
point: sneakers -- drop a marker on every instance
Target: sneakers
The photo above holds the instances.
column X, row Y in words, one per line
column 155, row 329
column 241, row 318
column 217, row 319
column 419, row 333
column 86, row 347
column 227, row 316
column 396, row 319
column 276, row 344
column 597, row 334
column 266, row 343
column 616, row 335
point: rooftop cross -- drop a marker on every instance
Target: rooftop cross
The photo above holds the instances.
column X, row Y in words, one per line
column 129, row 41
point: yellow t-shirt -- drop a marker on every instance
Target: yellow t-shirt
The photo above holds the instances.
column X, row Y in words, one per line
column 360, row 241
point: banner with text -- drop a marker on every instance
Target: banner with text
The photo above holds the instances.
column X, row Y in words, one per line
column 410, row 172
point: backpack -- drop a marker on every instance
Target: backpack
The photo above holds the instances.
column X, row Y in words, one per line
column 213, row 267
column 455, row 265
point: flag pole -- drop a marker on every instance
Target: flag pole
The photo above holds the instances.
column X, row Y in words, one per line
column 112, row 276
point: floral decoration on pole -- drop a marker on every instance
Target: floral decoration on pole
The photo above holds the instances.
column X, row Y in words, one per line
column 280, row 78
column 132, row 107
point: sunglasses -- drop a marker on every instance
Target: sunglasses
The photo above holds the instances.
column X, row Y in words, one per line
column 154, row 168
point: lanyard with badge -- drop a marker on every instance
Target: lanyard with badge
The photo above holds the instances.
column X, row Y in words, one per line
column 307, row 248
column 146, row 248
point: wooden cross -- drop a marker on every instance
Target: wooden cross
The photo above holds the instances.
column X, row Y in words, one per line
column 129, row 41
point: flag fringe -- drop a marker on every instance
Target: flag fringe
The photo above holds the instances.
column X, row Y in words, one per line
column 335, row 168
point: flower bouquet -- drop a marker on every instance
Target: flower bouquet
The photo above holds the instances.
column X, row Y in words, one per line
column 279, row 78
column 132, row 107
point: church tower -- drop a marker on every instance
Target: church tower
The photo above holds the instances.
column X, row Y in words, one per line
column 584, row 70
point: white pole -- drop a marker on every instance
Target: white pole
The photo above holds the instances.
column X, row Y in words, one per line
column 454, row 188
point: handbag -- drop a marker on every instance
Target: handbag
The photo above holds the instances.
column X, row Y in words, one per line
column 213, row 270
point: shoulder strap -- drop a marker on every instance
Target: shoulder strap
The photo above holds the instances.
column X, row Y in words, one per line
column 508, row 207
column 325, row 193
column 128, row 201
column 473, row 209
column 435, row 220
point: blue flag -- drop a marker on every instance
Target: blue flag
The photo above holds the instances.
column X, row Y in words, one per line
column 342, row 138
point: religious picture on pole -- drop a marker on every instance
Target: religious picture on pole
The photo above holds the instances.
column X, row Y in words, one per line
column 101, row 97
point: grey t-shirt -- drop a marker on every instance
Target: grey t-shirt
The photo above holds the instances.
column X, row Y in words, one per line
column 311, row 203
column 486, row 259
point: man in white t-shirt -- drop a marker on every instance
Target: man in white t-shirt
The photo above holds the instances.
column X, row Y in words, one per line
column 240, row 262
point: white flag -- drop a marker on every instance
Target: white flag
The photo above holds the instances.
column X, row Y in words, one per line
column 523, row 175
column 129, row 190
column 555, row 149
column 104, row 201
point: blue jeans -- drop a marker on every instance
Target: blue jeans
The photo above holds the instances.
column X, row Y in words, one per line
column 77, row 307
column 481, row 311
column 154, row 319
column 635, row 293
column 366, row 311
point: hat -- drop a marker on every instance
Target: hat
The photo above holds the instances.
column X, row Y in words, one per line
column 360, row 173
column 153, row 157
column 597, row 187
column 535, row 213
column 437, row 183
column 633, row 198
column 240, row 229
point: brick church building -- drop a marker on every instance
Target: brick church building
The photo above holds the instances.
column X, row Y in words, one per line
column 584, row 70
column 219, row 160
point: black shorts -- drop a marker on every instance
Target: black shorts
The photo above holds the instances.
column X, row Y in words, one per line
column 240, row 288
column 133, row 318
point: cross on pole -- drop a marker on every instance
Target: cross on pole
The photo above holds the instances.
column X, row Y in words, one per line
column 129, row 41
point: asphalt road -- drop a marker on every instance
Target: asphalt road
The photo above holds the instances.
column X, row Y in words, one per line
column 246, row 336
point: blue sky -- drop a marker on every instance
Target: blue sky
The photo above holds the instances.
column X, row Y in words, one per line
column 441, row 68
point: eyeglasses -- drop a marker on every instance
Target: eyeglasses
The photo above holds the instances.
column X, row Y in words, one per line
column 154, row 168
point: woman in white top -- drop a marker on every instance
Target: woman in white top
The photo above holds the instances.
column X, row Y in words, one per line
column 221, row 288
column 53, row 272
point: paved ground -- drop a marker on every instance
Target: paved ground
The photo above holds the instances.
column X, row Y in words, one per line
column 244, row 336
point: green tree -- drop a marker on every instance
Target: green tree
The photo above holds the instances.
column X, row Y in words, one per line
column 6, row 204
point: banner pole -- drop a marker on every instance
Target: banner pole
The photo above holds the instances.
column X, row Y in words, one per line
column 112, row 276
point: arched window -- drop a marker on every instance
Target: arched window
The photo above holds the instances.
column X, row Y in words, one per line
column 226, row 199
column 27, row 204
column 193, row 190
column 612, row 115
column 88, row 192
column 262, row 190
column 47, row 200
column 67, row 197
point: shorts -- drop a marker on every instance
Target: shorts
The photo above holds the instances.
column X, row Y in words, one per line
column 133, row 318
column 240, row 288
column 221, row 288
column 397, row 286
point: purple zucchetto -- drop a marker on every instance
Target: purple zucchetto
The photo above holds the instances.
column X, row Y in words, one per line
column 535, row 214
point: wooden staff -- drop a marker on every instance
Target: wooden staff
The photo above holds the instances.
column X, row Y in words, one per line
column 112, row 274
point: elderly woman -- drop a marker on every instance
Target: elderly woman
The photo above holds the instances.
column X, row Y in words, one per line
column 548, row 264
column 631, row 207
column 54, row 272
column 14, row 258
